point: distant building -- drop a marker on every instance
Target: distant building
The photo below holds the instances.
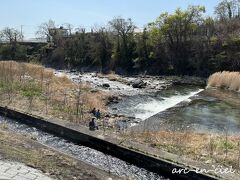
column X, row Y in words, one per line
column 58, row 34
column 61, row 32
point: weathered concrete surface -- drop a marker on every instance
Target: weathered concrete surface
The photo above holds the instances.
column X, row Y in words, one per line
column 18, row 171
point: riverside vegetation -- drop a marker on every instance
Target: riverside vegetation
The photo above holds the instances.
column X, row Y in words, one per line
column 211, row 148
column 221, row 149
column 225, row 80
column 182, row 43
column 185, row 42
column 33, row 88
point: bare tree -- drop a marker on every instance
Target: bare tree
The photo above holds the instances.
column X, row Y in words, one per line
column 45, row 30
column 69, row 27
column 228, row 9
column 123, row 30
column 79, row 108
column 122, row 26
column 11, row 35
column 47, row 95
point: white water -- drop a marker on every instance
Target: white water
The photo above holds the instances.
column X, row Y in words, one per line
column 144, row 110
column 153, row 107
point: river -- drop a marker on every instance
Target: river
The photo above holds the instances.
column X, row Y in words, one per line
column 180, row 108
column 174, row 108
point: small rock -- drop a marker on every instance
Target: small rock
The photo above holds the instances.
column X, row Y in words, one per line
column 115, row 115
column 93, row 90
column 105, row 85
column 113, row 99
column 139, row 84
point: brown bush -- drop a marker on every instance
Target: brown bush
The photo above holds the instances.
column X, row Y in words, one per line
column 226, row 80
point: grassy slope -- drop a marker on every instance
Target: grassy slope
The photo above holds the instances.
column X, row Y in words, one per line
column 33, row 88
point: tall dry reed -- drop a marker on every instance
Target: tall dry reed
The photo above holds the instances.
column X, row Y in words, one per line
column 225, row 80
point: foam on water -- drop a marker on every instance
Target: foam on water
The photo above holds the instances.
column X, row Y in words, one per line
column 154, row 106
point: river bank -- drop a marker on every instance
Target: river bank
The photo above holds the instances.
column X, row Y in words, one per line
column 158, row 160
column 70, row 96
column 154, row 111
column 204, row 128
column 24, row 149
column 78, row 142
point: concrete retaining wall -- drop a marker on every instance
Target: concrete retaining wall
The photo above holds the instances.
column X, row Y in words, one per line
column 87, row 138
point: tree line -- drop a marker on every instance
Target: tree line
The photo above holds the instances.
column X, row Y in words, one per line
column 185, row 42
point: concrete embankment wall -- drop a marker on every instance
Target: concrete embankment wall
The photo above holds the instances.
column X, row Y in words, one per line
column 84, row 137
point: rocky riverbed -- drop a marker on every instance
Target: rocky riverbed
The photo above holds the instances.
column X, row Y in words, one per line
column 133, row 85
column 153, row 102
column 134, row 99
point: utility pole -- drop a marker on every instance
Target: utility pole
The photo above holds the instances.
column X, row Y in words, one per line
column 21, row 32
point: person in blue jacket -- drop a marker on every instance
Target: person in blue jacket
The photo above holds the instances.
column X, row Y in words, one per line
column 98, row 114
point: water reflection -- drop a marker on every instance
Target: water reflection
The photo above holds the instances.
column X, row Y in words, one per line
column 203, row 113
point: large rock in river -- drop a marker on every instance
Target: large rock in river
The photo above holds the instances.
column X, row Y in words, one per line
column 139, row 84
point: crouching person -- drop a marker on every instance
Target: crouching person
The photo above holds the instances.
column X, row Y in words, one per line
column 92, row 125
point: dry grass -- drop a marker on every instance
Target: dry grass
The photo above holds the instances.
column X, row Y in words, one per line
column 111, row 76
column 226, row 80
column 198, row 146
column 35, row 88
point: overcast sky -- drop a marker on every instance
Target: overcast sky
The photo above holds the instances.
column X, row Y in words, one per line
column 86, row 13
